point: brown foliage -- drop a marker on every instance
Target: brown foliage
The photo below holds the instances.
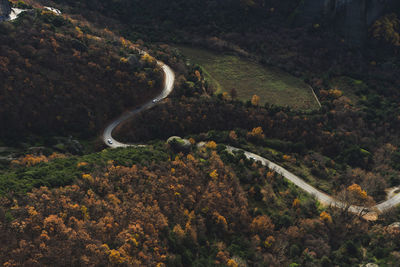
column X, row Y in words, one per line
column 119, row 217
column 262, row 225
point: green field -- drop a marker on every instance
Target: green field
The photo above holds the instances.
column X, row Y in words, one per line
column 273, row 86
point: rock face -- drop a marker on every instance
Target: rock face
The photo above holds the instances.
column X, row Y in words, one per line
column 5, row 9
column 351, row 18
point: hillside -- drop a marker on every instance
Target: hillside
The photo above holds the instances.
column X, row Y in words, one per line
column 63, row 76
column 206, row 208
column 260, row 175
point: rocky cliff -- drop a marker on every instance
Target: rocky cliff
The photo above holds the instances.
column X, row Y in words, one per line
column 5, row 9
column 351, row 18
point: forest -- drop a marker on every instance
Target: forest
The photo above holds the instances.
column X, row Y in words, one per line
column 67, row 76
column 205, row 208
column 63, row 74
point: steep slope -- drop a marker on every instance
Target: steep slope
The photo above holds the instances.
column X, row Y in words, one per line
column 62, row 76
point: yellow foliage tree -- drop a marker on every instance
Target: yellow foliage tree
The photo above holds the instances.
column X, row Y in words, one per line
column 214, row 174
column 88, row 177
column 269, row 241
column 256, row 133
column 147, row 58
column 81, row 164
column 220, row 220
column 123, row 60
column 232, row 263
column 31, row 160
column 211, row 145
column 336, row 93
column 85, row 213
column 178, row 231
column 286, row 157
column 325, row 217
column 387, row 29
column 356, row 189
column 255, row 100
column 190, row 157
column 296, row 203
column 355, row 195
column 115, row 257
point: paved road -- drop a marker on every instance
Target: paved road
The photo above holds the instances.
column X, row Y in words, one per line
column 320, row 196
column 168, row 87
column 15, row 12
column 169, row 78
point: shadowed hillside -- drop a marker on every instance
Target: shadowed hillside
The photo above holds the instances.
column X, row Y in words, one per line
column 63, row 76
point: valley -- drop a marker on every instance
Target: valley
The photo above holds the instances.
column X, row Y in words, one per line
column 199, row 133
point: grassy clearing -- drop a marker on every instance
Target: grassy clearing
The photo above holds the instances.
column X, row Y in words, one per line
column 273, row 86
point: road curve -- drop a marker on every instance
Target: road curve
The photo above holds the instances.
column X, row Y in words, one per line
column 167, row 89
column 320, row 196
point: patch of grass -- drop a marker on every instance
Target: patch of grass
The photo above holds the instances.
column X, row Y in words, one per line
column 273, row 86
column 305, row 173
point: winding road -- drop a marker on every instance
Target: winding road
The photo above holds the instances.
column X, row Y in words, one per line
column 15, row 12
column 320, row 196
column 169, row 78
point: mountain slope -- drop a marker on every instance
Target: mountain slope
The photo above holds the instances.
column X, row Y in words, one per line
column 63, row 76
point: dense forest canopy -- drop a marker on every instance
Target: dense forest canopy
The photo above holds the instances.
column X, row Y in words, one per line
column 189, row 201
column 60, row 75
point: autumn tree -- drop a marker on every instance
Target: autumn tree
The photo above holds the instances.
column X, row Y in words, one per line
column 256, row 133
column 387, row 29
column 255, row 100
column 262, row 225
column 354, row 199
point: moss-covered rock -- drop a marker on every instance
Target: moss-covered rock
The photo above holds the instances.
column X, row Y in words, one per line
column 179, row 144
